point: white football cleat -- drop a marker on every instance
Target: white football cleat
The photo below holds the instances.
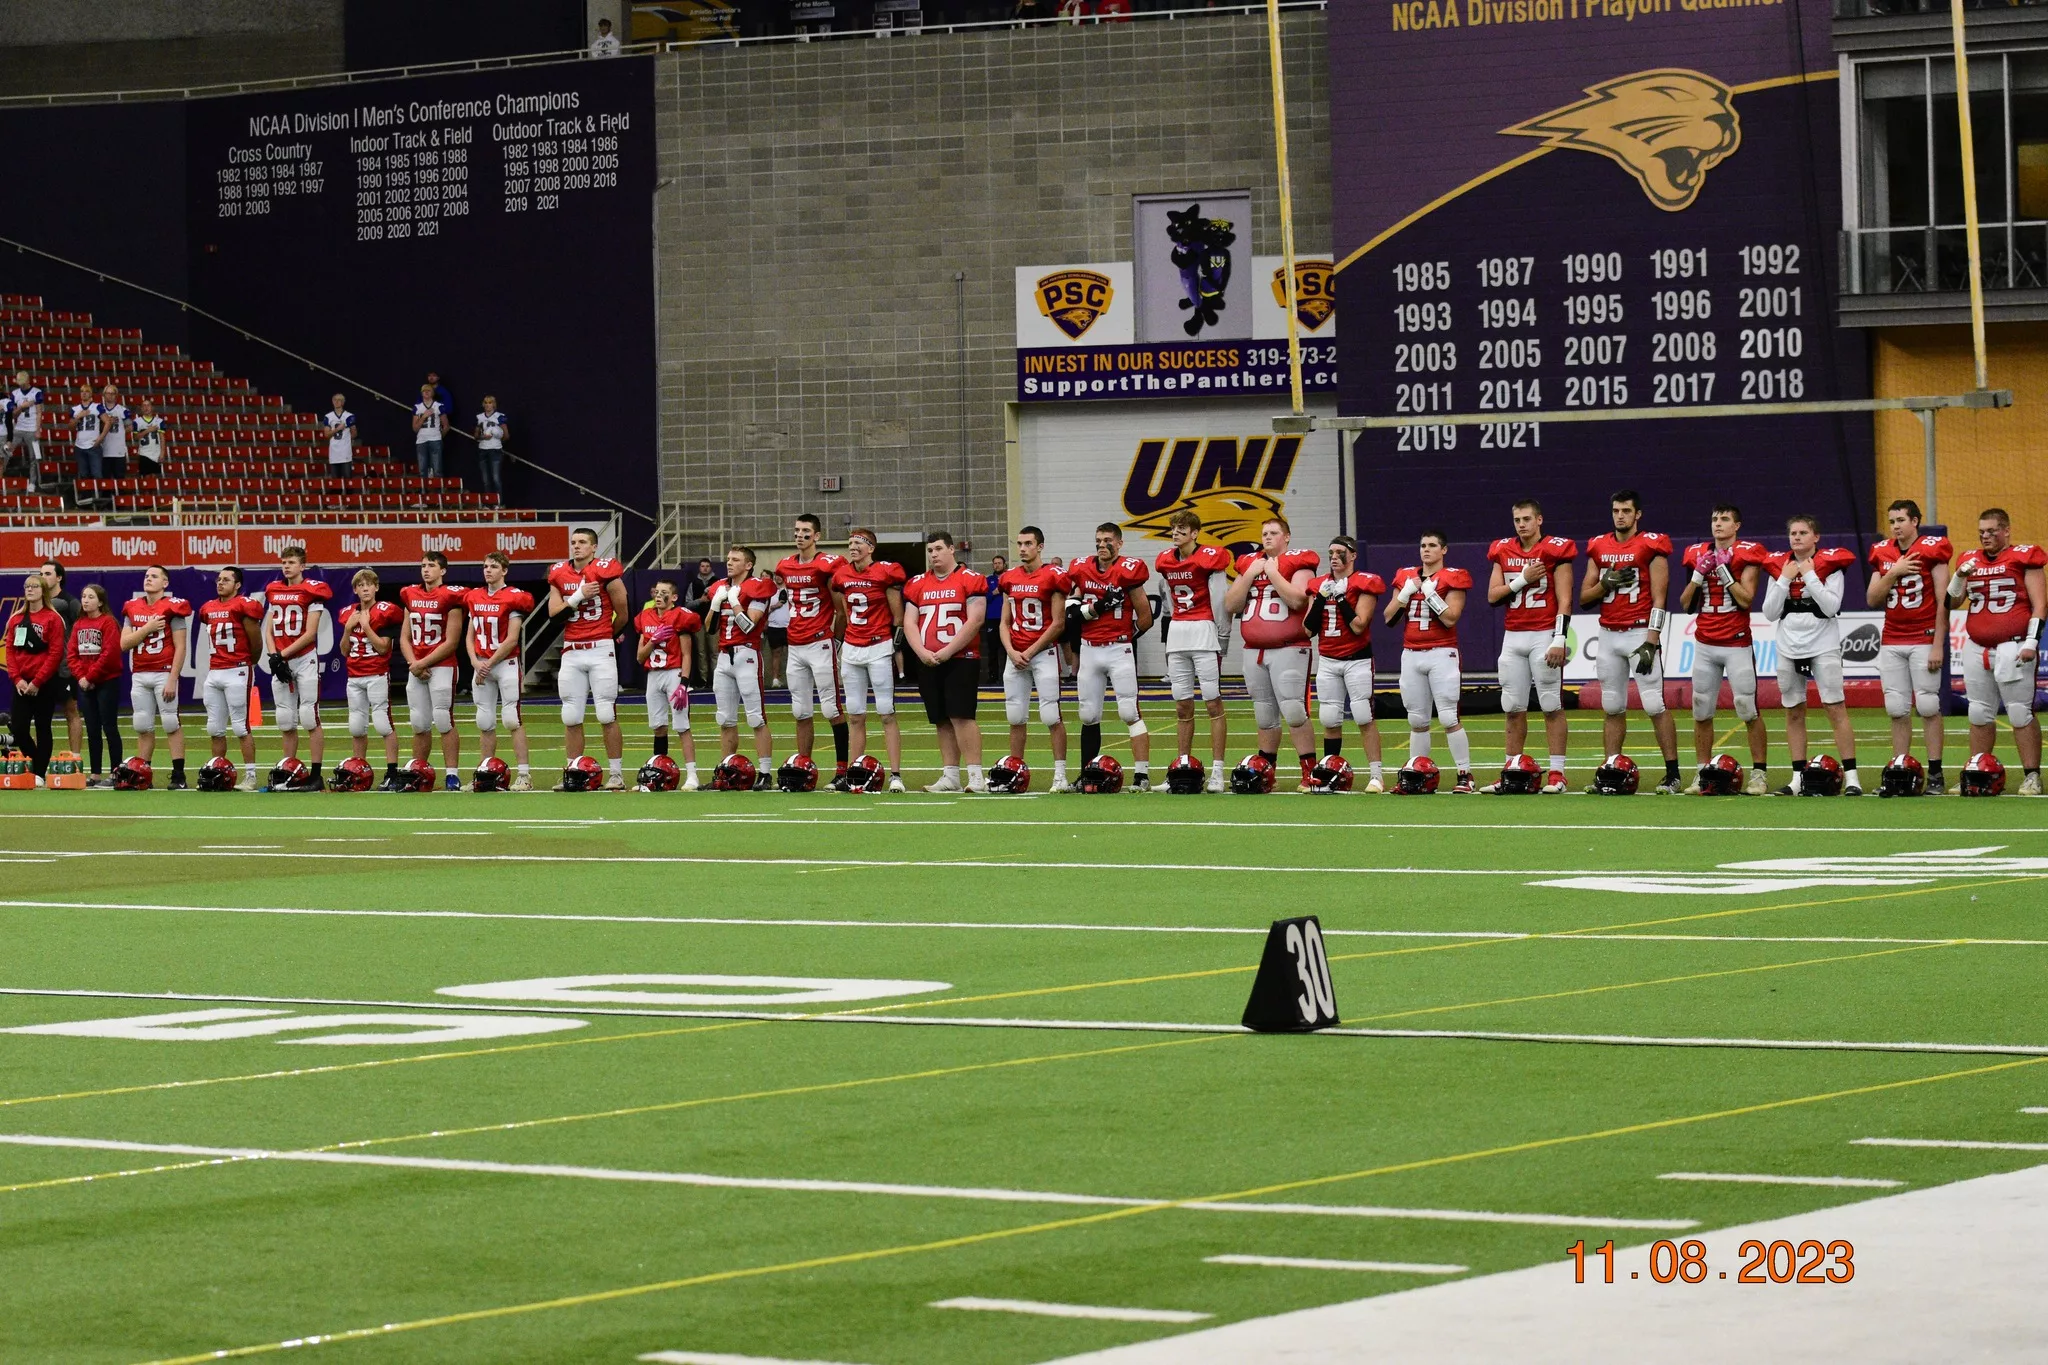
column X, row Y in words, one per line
column 979, row 786
column 615, row 783
column 522, row 783
column 1555, row 785
column 896, row 785
column 689, row 783
column 944, row 784
column 1375, row 788
column 1216, row 779
column 1061, row 788
column 248, row 784
column 2030, row 785
column 1757, row 785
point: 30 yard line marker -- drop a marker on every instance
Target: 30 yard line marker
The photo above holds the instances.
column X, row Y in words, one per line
column 1071, row 1310
column 1318, row 1263
column 1849, row 1182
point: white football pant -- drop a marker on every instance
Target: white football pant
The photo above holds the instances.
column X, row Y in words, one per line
column 146, row 700
column 1430, row 677
column 1344, row 680
column 227, row 701
column 1826, row 678
column 1523, row 669
column 1710, row 664
column 1988, row 690
column 369, row 705
column 1105, row 668
column 1616, row 668
column 1278, row 682
column 431, row 700
column 494, row 690
column 1042, row 674
column 736, row 687
column 1909, row 686
column 590, row 677
column 871, row 666
column 661, row 712
column 812, row 671
column 296, row 696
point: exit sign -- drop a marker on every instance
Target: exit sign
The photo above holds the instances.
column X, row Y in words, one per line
column 828, row 483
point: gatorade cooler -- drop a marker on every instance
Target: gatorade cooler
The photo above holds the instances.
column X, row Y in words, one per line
column 14, row 773
column 66, row 773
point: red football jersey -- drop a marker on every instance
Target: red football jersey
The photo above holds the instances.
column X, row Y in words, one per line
column 1268, row 622
column 1999, row 609
column 1534, row 607
column 810, row 596
column 222, row 622
column 289, row 608
column 1089, row 582
column 1424, row 628
column 1187, row 580
column 1909, row 606
column 1627, row 608
column 1719, row 620
column 490, row 618
column 666, row 653
column 593, row 619
column 1825, row 561
column 737, row 626
column 942, row 608
column 1338, row 640
column 153, row 655
column 868, row 618
column 426, row 617
column 361, row 660
column 1031, row 593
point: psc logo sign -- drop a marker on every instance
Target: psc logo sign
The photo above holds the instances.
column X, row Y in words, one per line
column 1315, row 291
column 1233, row 483
column 1073, row 299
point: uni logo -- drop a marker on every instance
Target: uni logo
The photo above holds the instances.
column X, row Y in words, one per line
column 1315, row 291
column 1073, row 299
column 1233, row 483
column 1665, row 128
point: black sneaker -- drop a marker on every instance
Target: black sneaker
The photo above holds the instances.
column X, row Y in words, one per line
column 1787, row 790
column 840, row 784
column 178, row 784
column 1141, row 782
column 764, row 781
column 1670, row 786
column 1937, row 784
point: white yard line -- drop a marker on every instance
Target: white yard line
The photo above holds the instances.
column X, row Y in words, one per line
column 1317, row 1263
column 1546, row 1220
column 1956, row 1143
column 721, row 1358
column 1072, row 1310
column 1847, row 1182
column 2035, row 1109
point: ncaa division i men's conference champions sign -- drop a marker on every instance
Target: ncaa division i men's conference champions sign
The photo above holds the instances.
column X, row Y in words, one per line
column 1550, row 204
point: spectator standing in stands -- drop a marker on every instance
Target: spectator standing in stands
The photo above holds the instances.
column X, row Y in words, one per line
column 113, row 433
column 698, row 600
column 35, row 646
column 992, row 656
column 492, row 427
column 606, row 43
column 64, row 693
column 441, row 394
column 94, row 654
column 85, row 433
column 341, row 438
column 429, row 421
column 25, row 409
column 148, row 427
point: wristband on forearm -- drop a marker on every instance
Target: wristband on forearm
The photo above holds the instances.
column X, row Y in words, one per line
column 1436, row 603
column 1658, row 619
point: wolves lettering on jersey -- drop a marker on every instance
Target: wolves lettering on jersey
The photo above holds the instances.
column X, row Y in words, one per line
column 1089, row 581
column 1999, row 607
column 665, row 653
column 426, row 617
column 360, row 658
column 593, row 619
column 1534, row 607
column 290, row 608
column 810, row 596
column 1719, row 620
column 490, row 618
column 1269, row 623
column 1627, row 608
column 1187, row 580
column 736, row 624
column 227, row 646
column 1031, row 592
column 942, row 608
column 868, row 618
column 153, row 655
column 1424, row 628
column 1909, row 606
column 1338, row 640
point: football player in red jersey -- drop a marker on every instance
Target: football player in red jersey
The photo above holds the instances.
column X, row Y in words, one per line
column 943, row 609
column 369, row 632
column 2002, row 582
column 739, row 605
column 433, row 632
column 867, row 596
column 1628, row 572
column 1113, row 615
column 1532, row 578
column 1430, row 596
column 1195, row 579
column 812, row 668
column 228, row 623
column 1271, row 594
column 294, row 618
column 1034, row 611
column 1725, row 572
column 667, row 634
column 497, row 612
column 157, row 645
column 1807, row 587
column 590, row 588
column 1346, row 598
column 1909, row 578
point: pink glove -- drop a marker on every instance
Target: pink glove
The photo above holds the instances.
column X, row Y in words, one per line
column 680, row 698
column 661, row 634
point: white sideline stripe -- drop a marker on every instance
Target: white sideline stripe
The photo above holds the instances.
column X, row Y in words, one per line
column 1072, row 1310
column 1317, row 1263
column 2035, row 1109
column 721, row 1358
column 1084, row 1025
column 1955, row 1142
column 1843, row 1181
column 802, row 1186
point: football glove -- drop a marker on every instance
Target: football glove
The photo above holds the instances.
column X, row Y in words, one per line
column 1332, row 589
column 1645, row 657
column 1615, row 580
column 1091, row 609
column 1408, row 591
column 1113, row 600
column 280, row 667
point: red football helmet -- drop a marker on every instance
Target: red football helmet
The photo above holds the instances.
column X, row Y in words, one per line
column 1903, row 776
column 798, row 774
column 416, row 776
column 288, row 775
column 1009, row 774
column 582, row 774
column 1253, row 775
column 1333, row 774
column 133, row 776
column 735, row 774
column 1419, row 777
column 217, row 775
column 352, row 775
column 1983, row 775
column 864, row 774
column 1520, row 776
column 1618, row 776
column 1105, row 775
column 1184, row 776
column 1823, row 777
column 1721, row 777
column 491, row 776
column 660, row 774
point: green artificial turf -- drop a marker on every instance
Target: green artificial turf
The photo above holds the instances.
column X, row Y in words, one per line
column 1089, row 917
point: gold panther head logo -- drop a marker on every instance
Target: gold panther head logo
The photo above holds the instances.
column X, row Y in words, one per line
column 1231, row 517
column 1666, row 128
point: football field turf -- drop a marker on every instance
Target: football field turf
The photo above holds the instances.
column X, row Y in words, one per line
column 994, row 1055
